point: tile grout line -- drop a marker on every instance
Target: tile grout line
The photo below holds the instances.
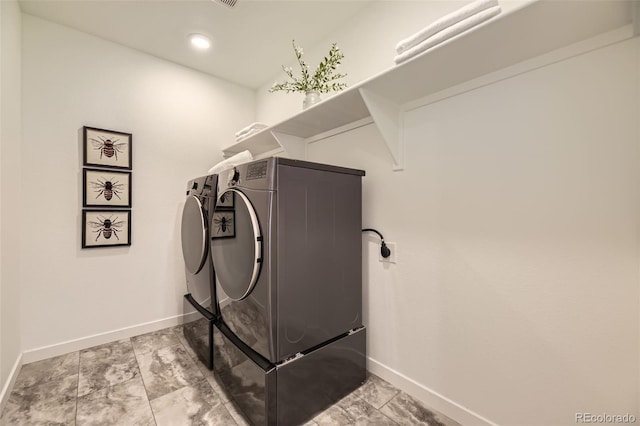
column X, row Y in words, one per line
column 189, row 356
column 385, row 404
column 194, row 358
column 390, row 399
column 144, row 385
column 75, row 417
column 387, row 417
column 377, row 409
column 199, row 365
column 109, row 385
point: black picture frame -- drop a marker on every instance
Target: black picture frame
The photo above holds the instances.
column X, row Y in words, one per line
column 106, row 188
column 107, row 148
column 223, row 224
column 116, row 232
column 226, row 200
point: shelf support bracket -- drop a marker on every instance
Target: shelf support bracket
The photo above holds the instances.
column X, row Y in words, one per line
column 388, row 117
column 294, row 146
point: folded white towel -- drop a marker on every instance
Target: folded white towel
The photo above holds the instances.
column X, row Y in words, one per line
column 448, row 33
column 444, row 22
column 239, row 158
column 247, row 134
column 250, row 127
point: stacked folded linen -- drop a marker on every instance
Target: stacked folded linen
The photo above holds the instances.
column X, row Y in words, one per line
column 250, row 130
column 445, row 28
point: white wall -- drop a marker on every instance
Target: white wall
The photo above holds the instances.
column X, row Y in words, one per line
column 516, row 291
column 180, row 120
column 10, row 192
column 368, row 42
column 638, row 133
column 515, row 295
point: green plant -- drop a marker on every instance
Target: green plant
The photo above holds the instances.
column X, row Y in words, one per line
column 323, row 79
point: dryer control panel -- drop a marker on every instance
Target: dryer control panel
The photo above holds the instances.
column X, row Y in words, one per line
column 256, row 170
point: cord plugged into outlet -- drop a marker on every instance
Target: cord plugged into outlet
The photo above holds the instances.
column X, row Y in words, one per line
column 392, row 251
column 386, row 249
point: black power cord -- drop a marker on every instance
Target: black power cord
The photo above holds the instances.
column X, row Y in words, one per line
column 384, row 250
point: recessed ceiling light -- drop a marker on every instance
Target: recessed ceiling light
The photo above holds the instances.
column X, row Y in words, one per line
column 200, row 41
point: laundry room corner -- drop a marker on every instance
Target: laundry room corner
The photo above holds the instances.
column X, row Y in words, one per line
column 500, row 160
column 10, row 195
column 174, row 115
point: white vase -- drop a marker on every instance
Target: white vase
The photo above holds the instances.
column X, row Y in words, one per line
column 312, row 97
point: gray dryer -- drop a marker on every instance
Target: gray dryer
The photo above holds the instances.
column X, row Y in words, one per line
column 287, row 247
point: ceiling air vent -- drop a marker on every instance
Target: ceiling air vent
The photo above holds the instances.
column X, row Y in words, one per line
column 228, row 3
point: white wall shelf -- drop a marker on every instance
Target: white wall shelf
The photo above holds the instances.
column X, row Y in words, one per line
column 534, row 29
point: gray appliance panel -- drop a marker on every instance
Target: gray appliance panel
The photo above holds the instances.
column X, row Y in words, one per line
column 201, row 286
column 318, row 166
column 198, row 332
column 309, row 385
column 296, row 391
column 252, row 388
column 199, row 273
column 319, row 286
column 261, row 174
column 250, row 318
column 310, row 285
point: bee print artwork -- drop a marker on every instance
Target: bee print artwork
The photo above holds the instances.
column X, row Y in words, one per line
column 107, row 148
column 226, row 199
column 106, row 228
column 223, row 224
column 106, row 188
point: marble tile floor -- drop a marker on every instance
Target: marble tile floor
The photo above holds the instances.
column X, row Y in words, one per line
column 156, row 379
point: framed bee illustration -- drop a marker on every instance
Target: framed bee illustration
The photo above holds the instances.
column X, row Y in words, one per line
column 107, row 148
column 226, row 199
column 106, row 228
column 106, row 188
column 223, row 224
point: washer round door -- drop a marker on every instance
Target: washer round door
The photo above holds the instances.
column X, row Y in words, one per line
column 194, row 235
column 236, row 244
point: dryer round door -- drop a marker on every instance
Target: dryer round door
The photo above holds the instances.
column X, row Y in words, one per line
column 236, row 244
column 194, row 235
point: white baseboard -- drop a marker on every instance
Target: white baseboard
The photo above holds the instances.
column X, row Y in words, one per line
column 45, row 352
column 427, row 396
column 8, row 386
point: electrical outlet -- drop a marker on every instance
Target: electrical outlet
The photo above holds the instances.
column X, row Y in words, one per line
column 394, row 254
